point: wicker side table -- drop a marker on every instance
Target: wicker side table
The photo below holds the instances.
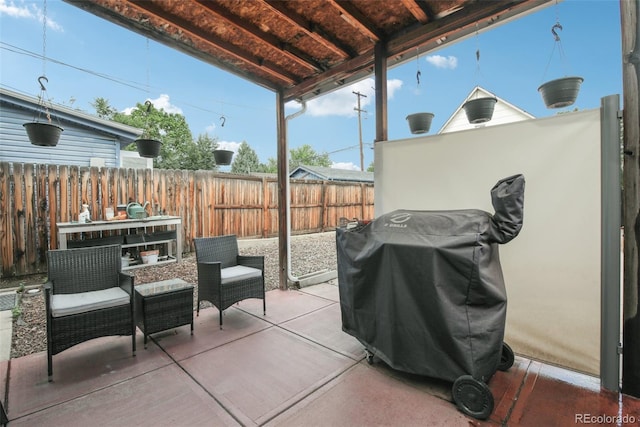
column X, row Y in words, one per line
column 163, row 305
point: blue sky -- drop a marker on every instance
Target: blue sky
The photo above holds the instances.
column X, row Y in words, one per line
column 89, row 57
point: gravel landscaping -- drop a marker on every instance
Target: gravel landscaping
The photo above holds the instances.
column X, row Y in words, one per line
column 309, row 253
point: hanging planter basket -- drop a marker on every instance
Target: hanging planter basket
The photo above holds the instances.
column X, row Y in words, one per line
column 420, row 122
column 560, row 93
column 223, row 157
column 43, row 134
column 149, row 148
column 480, row 110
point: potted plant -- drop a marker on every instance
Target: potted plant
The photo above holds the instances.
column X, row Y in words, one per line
column 420, row 122
column 148, row 146
column 43, row 133
column 479, row 110
column 561, row 92
column 223, row 157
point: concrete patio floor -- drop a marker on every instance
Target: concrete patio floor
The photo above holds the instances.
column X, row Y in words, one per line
column 292, row 367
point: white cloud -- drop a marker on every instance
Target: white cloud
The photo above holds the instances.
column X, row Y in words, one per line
column 229, row 145
column 439, row 61
column 10, row 9
column 343, row 101
column 21, row 11
column 345, row 165
column 162, row 102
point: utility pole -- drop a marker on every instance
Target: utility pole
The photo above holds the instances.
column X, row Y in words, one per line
column 359, row 110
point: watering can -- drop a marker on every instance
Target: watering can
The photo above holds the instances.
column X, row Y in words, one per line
column 135, row 211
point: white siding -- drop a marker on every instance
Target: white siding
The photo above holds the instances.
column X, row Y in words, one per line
column 504, row 112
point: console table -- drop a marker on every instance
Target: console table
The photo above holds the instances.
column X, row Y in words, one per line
column 67, row 228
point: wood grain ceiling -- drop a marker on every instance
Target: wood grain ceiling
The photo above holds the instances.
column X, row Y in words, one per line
column 305, row 48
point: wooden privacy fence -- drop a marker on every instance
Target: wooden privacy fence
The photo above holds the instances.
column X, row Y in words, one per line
column 33, row 198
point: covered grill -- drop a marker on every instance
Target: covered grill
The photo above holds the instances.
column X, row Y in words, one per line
column 424, row 291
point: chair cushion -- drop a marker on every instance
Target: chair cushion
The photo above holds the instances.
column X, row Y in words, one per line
column 238, row 272
column 67, row 304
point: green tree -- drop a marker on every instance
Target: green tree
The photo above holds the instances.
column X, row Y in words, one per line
column 103, row 109
column 271, row 166
column 170, row 128
column 306, row 155
column 370, row 168
column 246, row 160
column 198, row 154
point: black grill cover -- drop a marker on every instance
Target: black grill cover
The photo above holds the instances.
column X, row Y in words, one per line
column 424, row 291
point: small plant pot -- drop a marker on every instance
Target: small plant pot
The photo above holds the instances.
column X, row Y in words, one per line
column 149, row 148
column 560, row 92
column 43, row 134
column 223, row 157
column 420, row 122
column 480, row 110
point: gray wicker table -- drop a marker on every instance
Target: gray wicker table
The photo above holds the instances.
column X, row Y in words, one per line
column 163, row 305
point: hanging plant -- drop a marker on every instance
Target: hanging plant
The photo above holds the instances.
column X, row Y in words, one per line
column 43, row 133
column 148, row 147
column 223, row 157
column 561, row 92
column 479, row 110
column 419, row 122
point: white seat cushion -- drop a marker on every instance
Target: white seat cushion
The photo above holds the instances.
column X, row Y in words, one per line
column 66, row 304
column 238, row 272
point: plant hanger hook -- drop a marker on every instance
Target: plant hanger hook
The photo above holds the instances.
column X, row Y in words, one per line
column 42, row 84
column 557, row 26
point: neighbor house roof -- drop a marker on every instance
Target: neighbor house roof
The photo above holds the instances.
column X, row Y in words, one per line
column 504, row 112
column 330, row 174
column 124, row 133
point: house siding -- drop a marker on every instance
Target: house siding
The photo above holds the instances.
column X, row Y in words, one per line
column 76, row 146
column 504, row 112
column 86, row 139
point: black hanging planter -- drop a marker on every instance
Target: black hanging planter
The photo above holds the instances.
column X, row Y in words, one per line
column 149, row 148
column 420, row 122
column 43, row 134
column 223, row 157
column 480, row 110
column 560, row 93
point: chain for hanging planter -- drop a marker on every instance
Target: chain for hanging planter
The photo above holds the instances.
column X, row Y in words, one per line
column 561, row 92
column 42, row 131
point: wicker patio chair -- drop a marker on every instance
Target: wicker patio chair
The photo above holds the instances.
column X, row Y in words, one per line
column 86, row 296
column 224, row 276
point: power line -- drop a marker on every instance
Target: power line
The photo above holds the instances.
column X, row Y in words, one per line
column 129, row 83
